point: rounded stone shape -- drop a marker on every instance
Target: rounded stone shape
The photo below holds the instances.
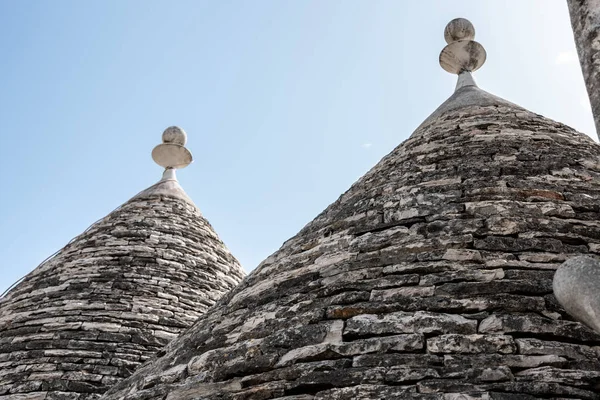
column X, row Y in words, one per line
column 462, row 55
column 170, row 155
column 174, row 135
column 459, row 29
column 576, row 286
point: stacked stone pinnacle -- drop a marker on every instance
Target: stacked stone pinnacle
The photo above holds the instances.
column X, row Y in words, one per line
column 430, row 278
column 112, row 298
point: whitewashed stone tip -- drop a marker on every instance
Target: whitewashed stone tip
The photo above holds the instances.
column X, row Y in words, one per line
column 576, row 286
column 465, row 79
column 462, row 54
column 169, row 175
column 172, row 153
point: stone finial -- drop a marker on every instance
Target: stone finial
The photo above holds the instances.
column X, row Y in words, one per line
column 577, row 288
column 462, row 54
column 172, row 153
column 174, row 134
column 459, row 29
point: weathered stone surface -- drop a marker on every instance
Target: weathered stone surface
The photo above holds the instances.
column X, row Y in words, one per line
column 536, row 346
column 421, row 322
column 555, row 375
column 366, row 392
column 397, row 360
column 533, row 324
column 585, row 19
column 471, row 344
column 398, row 293
column 459, row 363
column 111, row 299
column 431, row 278
column 537, row 390
column 577, row 288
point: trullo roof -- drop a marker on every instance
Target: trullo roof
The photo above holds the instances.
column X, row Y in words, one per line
column 112, row 297
column 430, row 278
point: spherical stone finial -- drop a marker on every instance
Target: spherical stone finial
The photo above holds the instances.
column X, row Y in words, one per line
column 459, row 29
column 172, row 153
column 175, row 135
column 462, row 54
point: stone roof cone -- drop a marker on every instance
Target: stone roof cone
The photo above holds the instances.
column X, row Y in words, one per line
column 116, row 294
column 430, row 278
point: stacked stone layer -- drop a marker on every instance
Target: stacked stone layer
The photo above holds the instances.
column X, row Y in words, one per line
column 431, row 278
column 111, row 299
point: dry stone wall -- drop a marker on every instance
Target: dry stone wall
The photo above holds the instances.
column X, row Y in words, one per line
column 431, row 278
column 110, row 300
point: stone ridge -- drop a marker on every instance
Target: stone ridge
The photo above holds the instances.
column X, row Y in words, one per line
column 111, row 299
column 431, row 278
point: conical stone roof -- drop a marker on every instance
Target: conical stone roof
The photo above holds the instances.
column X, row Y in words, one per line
column 430, row 278
column 112, row 298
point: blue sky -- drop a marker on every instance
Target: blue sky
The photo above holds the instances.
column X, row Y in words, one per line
column 286, row 103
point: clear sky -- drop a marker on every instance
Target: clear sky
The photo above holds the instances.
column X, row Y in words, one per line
column 286, row 103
